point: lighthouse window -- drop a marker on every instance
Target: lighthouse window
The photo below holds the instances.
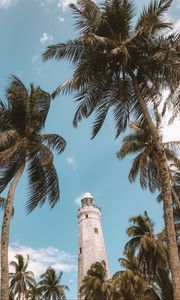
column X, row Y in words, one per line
column 86, row 216
column 96, row 230
column 80, row 250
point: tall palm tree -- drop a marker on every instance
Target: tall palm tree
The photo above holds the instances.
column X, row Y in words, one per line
column 121, row 65
column 151, row 252
column 51, row 287
column 21, row 279
column 22, row 117
column 95, row 285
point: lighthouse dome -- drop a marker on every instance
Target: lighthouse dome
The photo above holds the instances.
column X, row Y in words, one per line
column 87, row 200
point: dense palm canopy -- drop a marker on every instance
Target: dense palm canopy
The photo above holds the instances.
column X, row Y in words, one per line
column 151, row 252
column 51, row 287
column 95, row 285
column 21, row 279
column 110, row 52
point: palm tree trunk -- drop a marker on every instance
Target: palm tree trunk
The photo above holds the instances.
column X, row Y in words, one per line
column 174, row 260
column 5, row 235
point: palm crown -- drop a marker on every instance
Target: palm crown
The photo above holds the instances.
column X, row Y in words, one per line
column 21, row 120
column 150, row 251
column 110, row 52
column 51, row 287
column 21, row 279
column 146, row 163
column 94, row 285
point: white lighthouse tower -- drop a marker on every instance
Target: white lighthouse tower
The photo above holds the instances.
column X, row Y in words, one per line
column 91, row 242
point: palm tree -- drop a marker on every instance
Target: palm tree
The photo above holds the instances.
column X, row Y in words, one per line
column 51, row 287
column 21, row 279
column 150, row 251
column 22, row 118
column 122, row 66
column 132, row 282
column 95, row 285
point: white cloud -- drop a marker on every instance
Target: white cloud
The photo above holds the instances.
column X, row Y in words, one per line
column 63, row 4
column 6, row 3
column 60, row 19
column 46, row 38
column 78, row 199
column 72, row 162
column 46, row 2
column 169, row 132
column 34, row 58
column 42, row 258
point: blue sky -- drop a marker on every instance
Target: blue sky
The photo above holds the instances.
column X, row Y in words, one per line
column 27, row 27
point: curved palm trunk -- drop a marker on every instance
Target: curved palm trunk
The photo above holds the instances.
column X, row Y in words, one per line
column 5, row 235
column 174, row 260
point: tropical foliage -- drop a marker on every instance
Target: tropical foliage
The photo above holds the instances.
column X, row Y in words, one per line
column 121, row 64
column 95, row 285
column 51, row 287
column 146, row 163
column 145, row 273
column 22, row 118
column 24, row 286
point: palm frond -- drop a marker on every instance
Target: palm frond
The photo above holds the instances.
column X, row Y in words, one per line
column 8, row 138
column 152, row 19
column 129, row 147
column 118, row 18
column 37, row 183
column 87, row 15
column 17, row 97
column 54, row 141
column 102, row 110
column 39, row 103
column 71, row 50
column 53, row 191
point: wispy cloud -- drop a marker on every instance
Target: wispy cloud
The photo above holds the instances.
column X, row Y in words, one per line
column 63, row 4
column 60, row 19
column 46, row 38
column 72, row 162
column 47, row 2
column 34, row 58
column 6, row 3
column 42, row 258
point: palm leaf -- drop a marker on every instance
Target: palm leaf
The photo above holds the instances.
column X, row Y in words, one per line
column 152, row 18
column 87, row 15
column 54, row 141
column 39, row 103
column 37, row 183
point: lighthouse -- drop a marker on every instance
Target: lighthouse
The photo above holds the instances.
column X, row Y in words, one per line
column 91, row 245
